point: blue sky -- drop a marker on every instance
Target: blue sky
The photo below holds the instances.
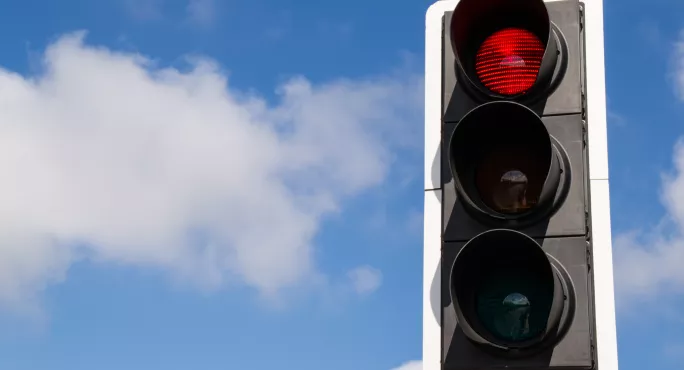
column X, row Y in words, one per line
column 237, row 185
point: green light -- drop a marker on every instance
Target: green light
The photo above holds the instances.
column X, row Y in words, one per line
column 513, row 306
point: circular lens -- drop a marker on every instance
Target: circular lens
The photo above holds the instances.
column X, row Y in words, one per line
column 513, row 305
column 510, row 181
column 505, row 290
column 508, row 61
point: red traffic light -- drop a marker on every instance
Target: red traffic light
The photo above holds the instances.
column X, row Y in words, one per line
column 508, row 61
column 506, row 49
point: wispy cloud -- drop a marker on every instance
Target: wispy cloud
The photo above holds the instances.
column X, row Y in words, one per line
column 202, row 12
column 334, row 28
column 616, row 119
column 650, row 32
column 365, row 279
column 411, row 365
column 145, row 9
column 677, row 72
column 648, row 263
column 674, row 350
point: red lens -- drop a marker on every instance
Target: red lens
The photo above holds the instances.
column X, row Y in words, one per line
column 508, row 61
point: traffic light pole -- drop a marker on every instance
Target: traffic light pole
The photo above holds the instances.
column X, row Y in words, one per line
column 598, row 220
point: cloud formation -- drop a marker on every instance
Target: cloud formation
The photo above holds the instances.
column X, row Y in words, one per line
column 411, row 365
column 648, row 263
column 365, row 279
column 109, row 158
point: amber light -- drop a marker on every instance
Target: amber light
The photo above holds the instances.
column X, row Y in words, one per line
column 508, row 61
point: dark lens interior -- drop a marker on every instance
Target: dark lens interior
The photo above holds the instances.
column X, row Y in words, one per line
column 502, row 153
column 504, row 284
column 511, row 301
column 510, row 178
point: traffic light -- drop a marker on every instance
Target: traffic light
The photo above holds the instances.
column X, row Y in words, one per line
column 517, row 271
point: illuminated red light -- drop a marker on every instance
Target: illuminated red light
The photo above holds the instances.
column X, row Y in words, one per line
column 508, row 61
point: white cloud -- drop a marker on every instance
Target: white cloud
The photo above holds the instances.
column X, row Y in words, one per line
column 108, row 158
column 649, row 263
column 202, row 12
column 411, row 365
column 365, row 279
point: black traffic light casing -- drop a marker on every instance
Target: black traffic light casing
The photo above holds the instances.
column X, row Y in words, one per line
column 545, row 130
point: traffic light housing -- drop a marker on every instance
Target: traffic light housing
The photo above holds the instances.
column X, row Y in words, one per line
column 515, row 275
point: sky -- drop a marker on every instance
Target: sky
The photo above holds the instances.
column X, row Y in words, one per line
column 220, row 184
